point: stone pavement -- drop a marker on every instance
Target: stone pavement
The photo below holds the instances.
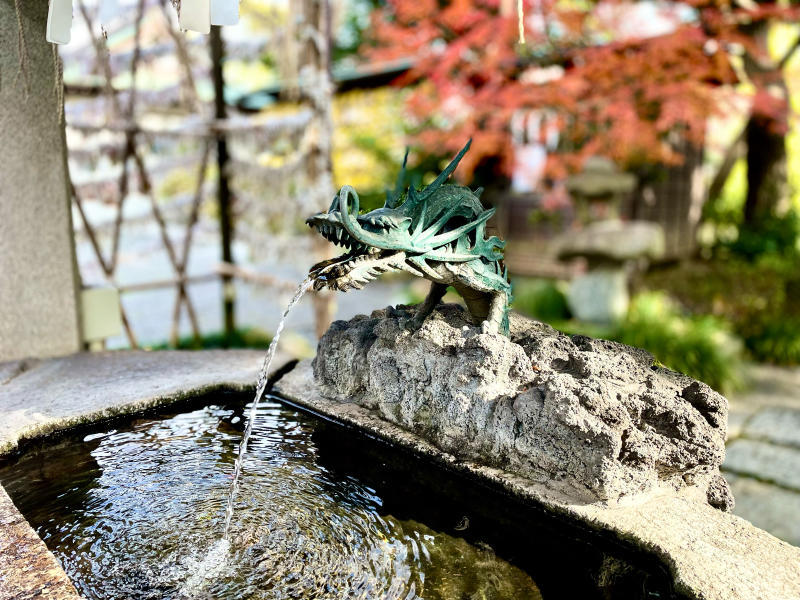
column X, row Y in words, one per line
column 763, row 451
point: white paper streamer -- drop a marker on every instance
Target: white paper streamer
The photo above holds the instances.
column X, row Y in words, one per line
column 195, row 15
column 59, row 22
column 224, row 12
column 108, row 11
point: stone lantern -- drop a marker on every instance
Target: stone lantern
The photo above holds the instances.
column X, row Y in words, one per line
column 612, row 250
column 598, row 190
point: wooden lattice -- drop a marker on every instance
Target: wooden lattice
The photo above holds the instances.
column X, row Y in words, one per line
column 121, row 118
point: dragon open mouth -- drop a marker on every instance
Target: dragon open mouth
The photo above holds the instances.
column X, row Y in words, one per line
column 360, row 264
column 354, row 271
column 330, row 227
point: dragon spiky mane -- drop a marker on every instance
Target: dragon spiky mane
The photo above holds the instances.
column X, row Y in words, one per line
column 446, row 215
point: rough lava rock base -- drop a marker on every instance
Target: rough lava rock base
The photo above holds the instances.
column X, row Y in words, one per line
column 593, row 419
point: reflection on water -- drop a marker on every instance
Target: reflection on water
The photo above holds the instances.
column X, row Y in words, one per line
column 135, row 512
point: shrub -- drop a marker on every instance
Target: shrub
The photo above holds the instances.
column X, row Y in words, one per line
column 773, row 338
column 541, row 299
column 775, row 234
column 699, row 346
column 770, row 235
column 759, row 301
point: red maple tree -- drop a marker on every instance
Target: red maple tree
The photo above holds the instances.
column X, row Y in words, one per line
column 616, row 93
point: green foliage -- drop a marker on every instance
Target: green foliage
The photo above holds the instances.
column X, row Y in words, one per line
column 177, row 181
column 776, row 340
column 350, row 34
column 775, row 234
column 374, row 198
column 758, row 299
column 248, row 337
column 700, row 347
column 541, row 299
column 770, row 235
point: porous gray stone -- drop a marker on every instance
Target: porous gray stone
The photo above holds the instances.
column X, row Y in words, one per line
column 594, row 419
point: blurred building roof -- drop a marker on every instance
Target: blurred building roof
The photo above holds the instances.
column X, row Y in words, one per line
column 346, row 76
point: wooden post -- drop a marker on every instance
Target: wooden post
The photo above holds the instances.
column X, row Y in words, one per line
column 224, row 197
column 316, row 88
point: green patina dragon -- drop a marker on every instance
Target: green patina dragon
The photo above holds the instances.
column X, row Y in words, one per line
column 437, row 232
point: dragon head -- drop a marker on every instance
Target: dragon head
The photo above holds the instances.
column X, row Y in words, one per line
column 439, row 223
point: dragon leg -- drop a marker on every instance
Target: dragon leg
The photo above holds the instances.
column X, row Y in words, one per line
column 426, row 307
column 497, row 319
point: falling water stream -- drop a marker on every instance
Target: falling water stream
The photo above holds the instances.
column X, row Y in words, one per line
column 263, row 375
column 215, row 559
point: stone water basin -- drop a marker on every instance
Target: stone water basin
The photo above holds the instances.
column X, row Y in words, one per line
column 132, row 508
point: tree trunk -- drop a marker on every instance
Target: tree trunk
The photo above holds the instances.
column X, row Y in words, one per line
column 766, row 168
column 765, row 133
column 224, row 196
column 316, row 89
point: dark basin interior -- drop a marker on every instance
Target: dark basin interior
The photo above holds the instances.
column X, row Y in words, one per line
column 133, row 508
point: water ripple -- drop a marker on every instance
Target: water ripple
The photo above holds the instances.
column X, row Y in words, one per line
column 141, row 514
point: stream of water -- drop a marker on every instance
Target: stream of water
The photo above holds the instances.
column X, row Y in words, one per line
column 216, row 558
column 263, row 377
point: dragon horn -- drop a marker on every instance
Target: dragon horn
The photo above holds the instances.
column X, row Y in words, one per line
column 449, row 236
column 355, row 230
column 436, row 184
column 393, row 197
column 431, row 230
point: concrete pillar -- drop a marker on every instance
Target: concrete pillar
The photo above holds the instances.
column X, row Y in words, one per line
column 39, row 281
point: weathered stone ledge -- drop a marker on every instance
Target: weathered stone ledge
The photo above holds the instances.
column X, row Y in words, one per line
column 44, row 397
column 711, row 554
column 27, row 568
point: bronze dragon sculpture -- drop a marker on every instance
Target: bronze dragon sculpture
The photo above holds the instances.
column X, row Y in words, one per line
column 437, row 232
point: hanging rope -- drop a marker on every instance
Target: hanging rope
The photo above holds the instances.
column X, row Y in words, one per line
column 58, row 83
column 22, row 50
